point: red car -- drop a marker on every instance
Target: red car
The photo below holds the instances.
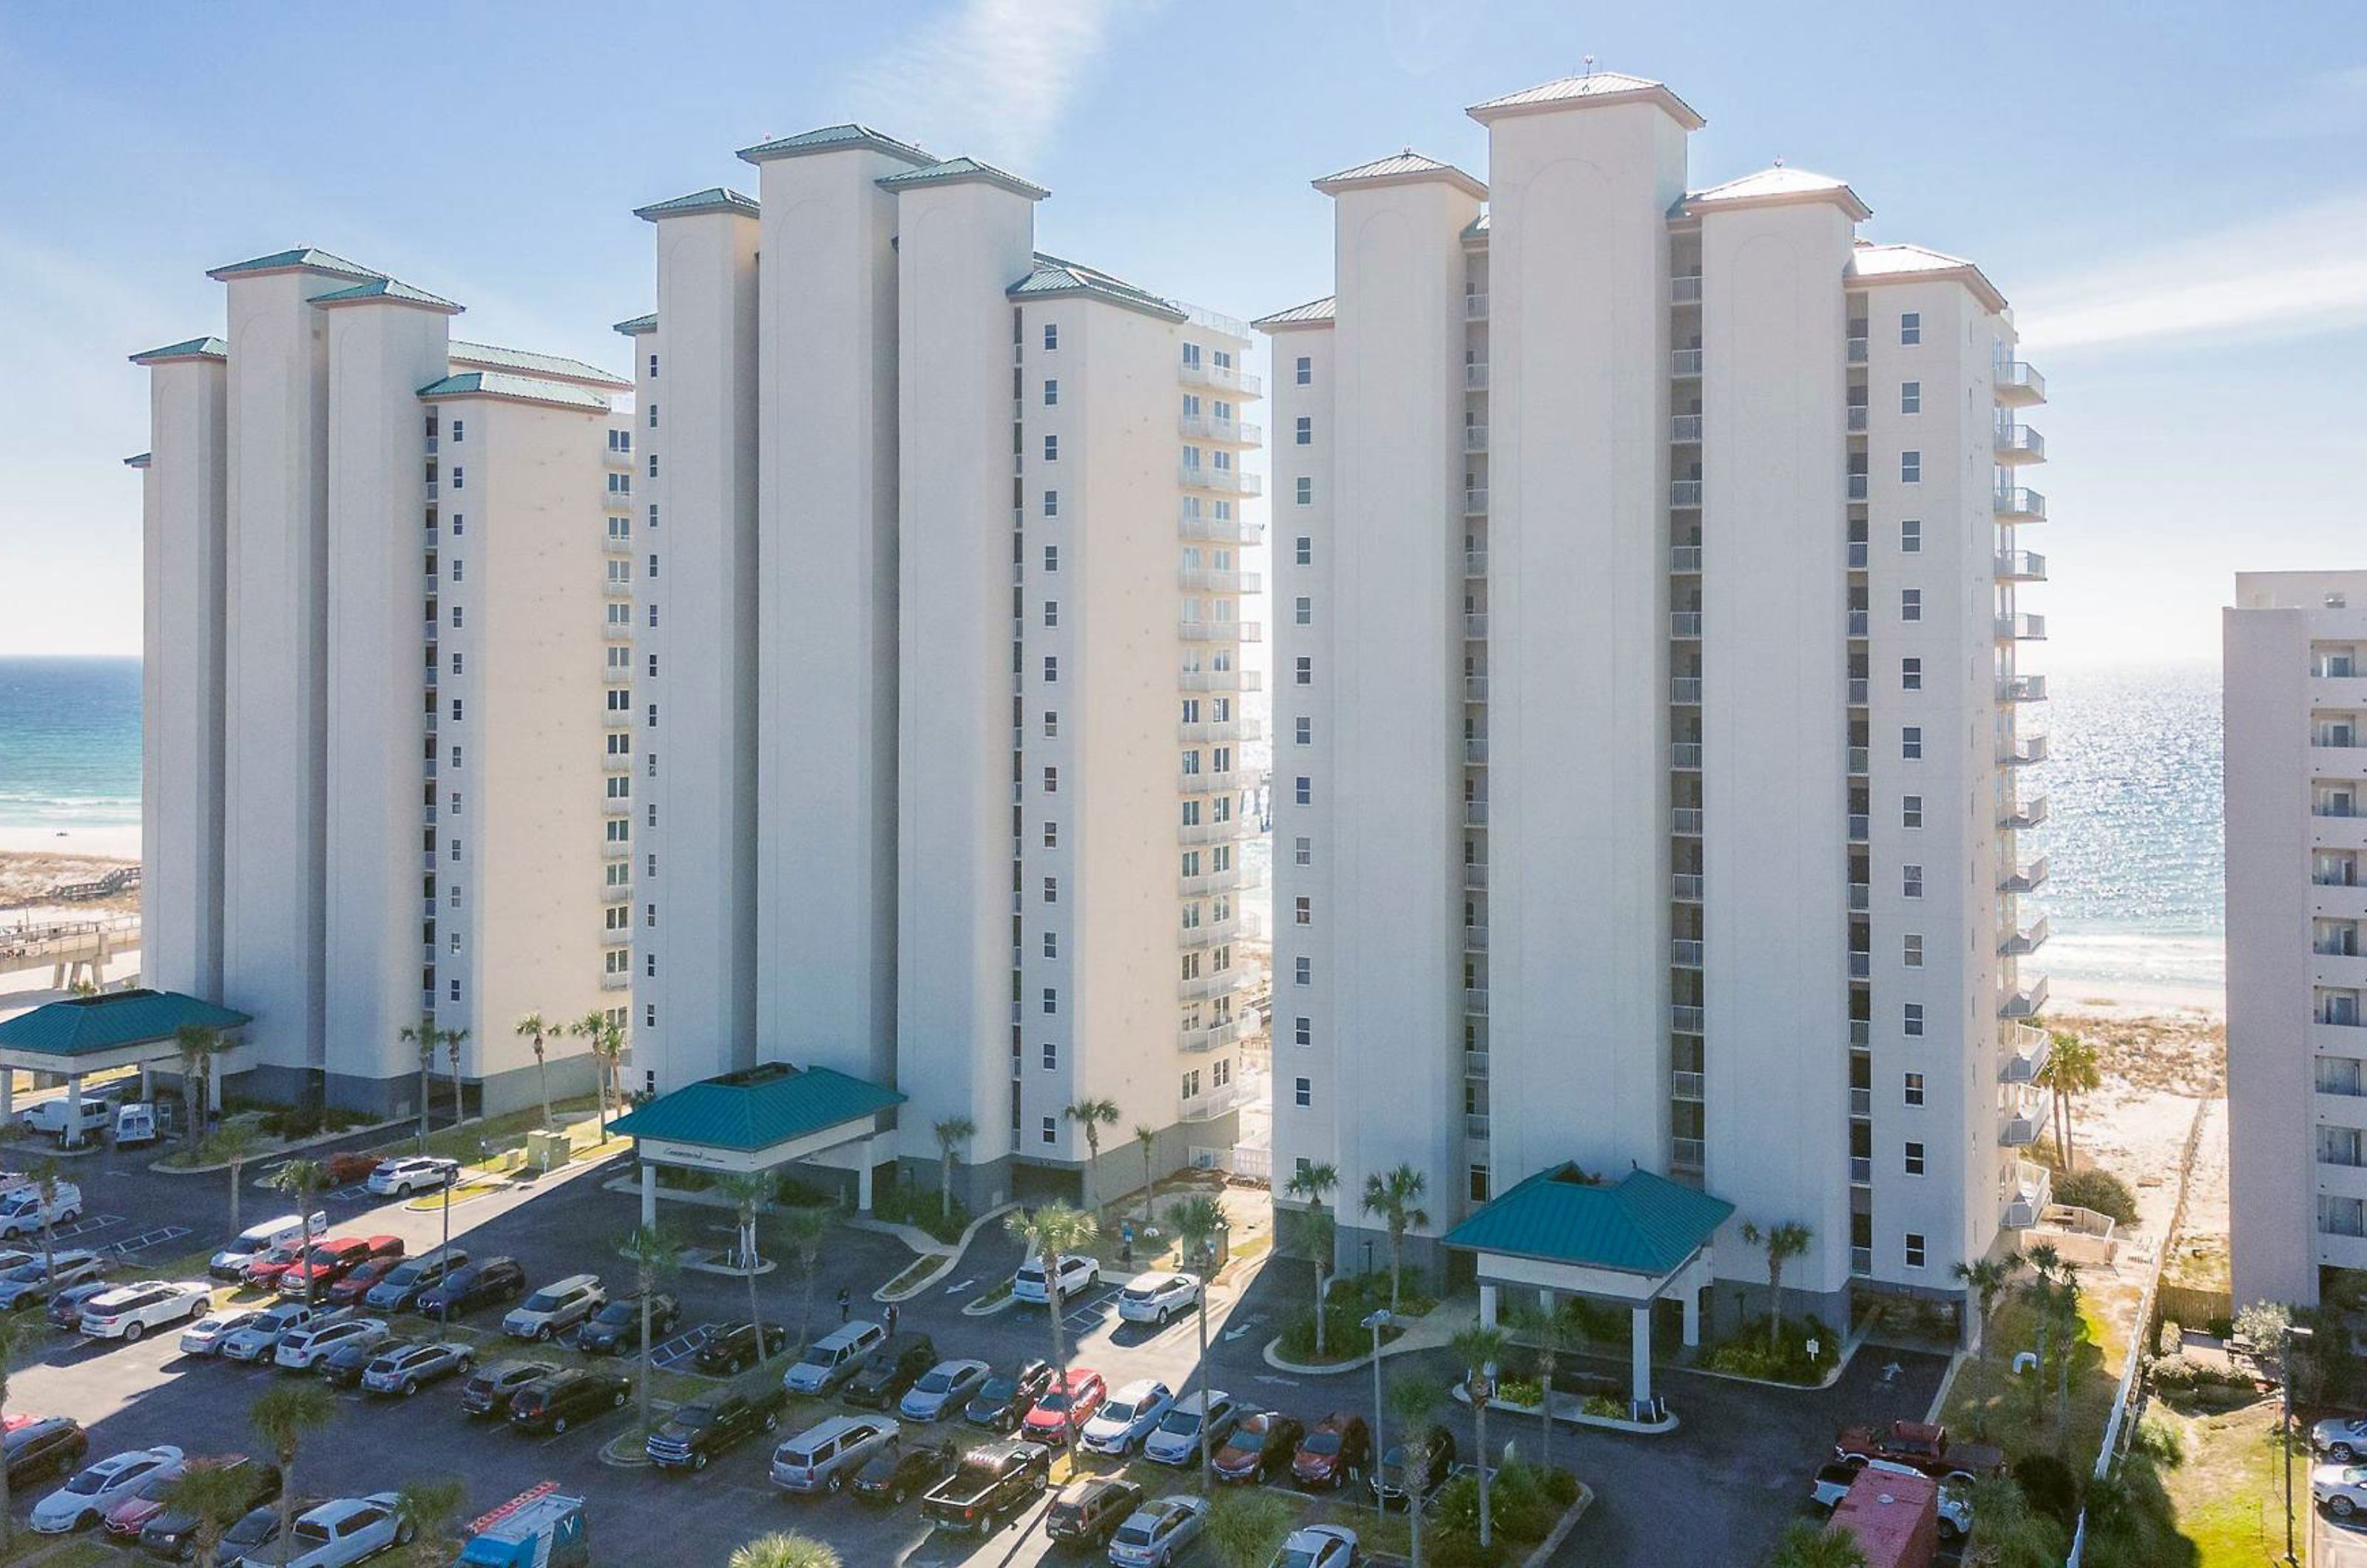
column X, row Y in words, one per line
column 265, row 1267
column 355, row 1284
column 332, row 1260
column 350, row 1167
column 1338, row 1445
column 1067, row 1408
column 1920, row 1446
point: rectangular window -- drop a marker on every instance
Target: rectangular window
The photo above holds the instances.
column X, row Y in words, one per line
column 1305, row 431
column 1051, row 503
column 1302, row 1090
column 1051, row 669
column 1302, row 611
column 1302, row 851
column 1051, row 341
column 1304, row 492
column 1050, row 1132
column 1910, row 674
column 1051, row 998
column 458, row 426
column 653, row 424
column 1306, row 369
column 1910, row 468
column 1910, row 328
column 1911, row 950
column 1910, row 603
column 654, row 465
column 1051, row 1057
column 1910, row 397
column 1051, row 612
column 1302, row 731
column 1303, row 670
column 1910, row 811
column 459, row 478
column 1051, row 448
column 1914, row 1159
column 1914, row 1249
column 1302, row 911
column 1911, row 1088
column 1051, row 394
column 1910, row 742
column 1051, row 890
column 1303, row 790
column 1910, row 881
column 1302, row 1032
column 1051, row 944
column 1051, row 781
column 1910, row 538
column 1051, row 558
column 1911, row 1021
column 1302, row 971
column 1303, row 551
column 1051, row 724
column 653, row 376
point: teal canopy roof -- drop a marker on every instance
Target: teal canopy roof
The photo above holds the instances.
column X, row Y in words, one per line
column 1049, row 276
column 639, row 326
column 80, row 1026
column 1641, row 1224
column 555, row 367
column 766, row 1105
column 714, row 198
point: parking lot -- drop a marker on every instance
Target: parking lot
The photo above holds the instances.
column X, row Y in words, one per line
column 1717, row 1491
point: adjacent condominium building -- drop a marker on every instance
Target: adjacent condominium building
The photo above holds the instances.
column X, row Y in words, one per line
column 1652, row 747
column 2296, row 669
column 938, row 610
column 375, row 686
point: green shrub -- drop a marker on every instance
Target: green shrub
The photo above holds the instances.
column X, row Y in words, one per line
column 2099, row 1190
column 2171, row 1339
column 1344, row 1336
column 1365, row 1294
column 908, row 1203
column 1605, row 1405
column 1521, row 1508
column 2050, row 1487
column 1561, row 1487
column 1748, row 1355
column 1521, row 1391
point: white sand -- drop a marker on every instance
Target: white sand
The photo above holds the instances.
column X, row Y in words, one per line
column 108, row 842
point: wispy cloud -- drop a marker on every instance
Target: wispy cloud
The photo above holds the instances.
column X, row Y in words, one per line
column 990, row 78
column 2304, row 271
column 2330, row 103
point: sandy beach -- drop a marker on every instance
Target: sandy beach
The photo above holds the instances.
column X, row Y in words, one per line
column 28, row 876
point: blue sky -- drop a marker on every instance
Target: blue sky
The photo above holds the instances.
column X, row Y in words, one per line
column 2171, row 194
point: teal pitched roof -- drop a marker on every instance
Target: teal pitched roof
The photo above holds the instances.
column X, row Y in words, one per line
column 517, row 388
column 552, row 366
column 1314, row 313
column 831, row 139
column 387, row 289
column 1642, row 1223
column 190, row 348
column 714, row 198
column 138, row 460
column 304, row 259
column 639, row 326
column 954, row 171
column 1052, row 277
column 80, row 1026
column 1408, row 167
column 765, row 1105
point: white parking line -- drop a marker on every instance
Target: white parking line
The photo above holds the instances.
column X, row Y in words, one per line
column 1078, row 1319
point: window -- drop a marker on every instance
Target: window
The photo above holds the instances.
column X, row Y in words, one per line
column 1051, row 612
column 1051, row 448
column 1914, row 1249
column 1910, row 881
column 459, row 478
column 1910, row 468
column 654, row 465
column 1911, row 950
column 1910, row 674
column 456, row 990
column 1051, row 890
column 460, row 524
column 1051, row 394
column 1911, row 1021
column 1303, row 551
column 654, row 565
column 1910, row 811
column 1910, row 603
column 1302, row 731
column 1051, row 998
column 1914, row 1159
column 1051, row 1134
column 1911, row 1088
column 1302, row 1090
column 1910, row 742
column 456, row 710
column 1302, row 911
column 1910, row 397
column 1302, row 611
column 1051, row 341
column 1303, row 670
column 654, row 422
column 1051, row 724
column 1051, row 781
column 1302, row 971
column 1303, row 790
column 1305, row 431
column 1910, row 328
column 1306, row 370
column 1304, row 492
column 1910, row 538
column 1051, row 503
column 1302, row 850
column 1051, row 1056
column 1051, row 558
column 653, row 514
column 1051, row 841
column 456, row 616
column 458, row 426
column 1051, row 669
column 653, row 376
column 1302, row 1032
column 1051, row 944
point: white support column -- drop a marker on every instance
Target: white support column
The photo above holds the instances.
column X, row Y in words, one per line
column 1692, row 1317
column 73, row 1110
column 862, row 1177
column 147, row 1086
column 1640, row 1353
column 213, row 1087
column 1486, row 1306
column 1548, row 1302
column 648, row 1193
column 8, row 1095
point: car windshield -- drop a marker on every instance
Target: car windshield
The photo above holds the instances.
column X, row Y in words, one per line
column 935, row 1382
column 1033, row 1273
column 1181, row 1422
column 617, row 1313
column 1054, row 1400
column 1144, row 1293
column 306, row 1530
column 1249, row 1439
column 87, row 1482
column 1132, row 1535
column 1116, row 1410
column 542, row 1300
column 1324, row 1443
column 695, row 1417
column 407, row 1274
column 1297, row 1557
column 998, row 1390
column 24, row 1274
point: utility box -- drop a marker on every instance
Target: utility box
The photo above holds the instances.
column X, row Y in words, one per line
column 546, row 1151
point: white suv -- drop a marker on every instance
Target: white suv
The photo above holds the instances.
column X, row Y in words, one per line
column 130, row 1311
column 303, row 1349
column 1155, row 1298
column 560, row 1305
column 1076, row 1274
column 406, row 1173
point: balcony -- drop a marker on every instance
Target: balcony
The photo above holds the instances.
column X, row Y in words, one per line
column 2017, row 443
column 2025, row 1119
column 1685, row 690
column 1685, row 756
column 2024, row 879
column 1861, row 828
column 1683, row 1085
column 1861, row 964
column 1475, row 563
column 1684, row 492
column 1684, row 1020
column 616, row 545
column 1859, row 690
column 1684, row 288
column 1475, row 876
column 1221, row 631
column 1475, row 750
column 1209, row 581
column 1858, row 485
column 1474, row 629
column 1475, row 1001
column 1475, row 503
column 1209, row 1106
column 1220, row 681
column 1857, row 418
column 1475, row 939
column 1861, row 1175
column 2027, row 1002
column 1861, row 1103
column 1475, row 1126
column 1475, row 1064
column 1213, row 1037
column 1857, row 622
column 1860, row 761
column 1222, row 730
column 2017, row 384
column 2022, row 816
column 1475, row 377
column 1857, row 555
column 616, row 979
column 2031, row 1189
column 1196, row 525
column 2027, row 752
column 1215, row 933
column 1687, row 1154
column 1685, row 953
column 1209, row 832
column 1209, row 782
column 2023, row 689
column 1685, row 429
column 2021, row 627
column 2021, row 566
column 1230, row 481
column 1223, row 431
column 1224, row 376
column 1861, row 897
column 2018, row 503
column 2022, row 943
column 2026, row 1048
column 1198, row 988
column 1475, row 306
column 1685, row 821
column 1685, row 886
column 1855, row 350
column 1685, row 363
column 1685, row 558
column 1684, row 624
column 1209, row 881
column 1475, row 814
column 1475, row 438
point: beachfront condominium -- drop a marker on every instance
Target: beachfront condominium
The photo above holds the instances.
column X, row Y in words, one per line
column 2295, row 672
column 378, row 589
column 1650, row 738
column 940, row 696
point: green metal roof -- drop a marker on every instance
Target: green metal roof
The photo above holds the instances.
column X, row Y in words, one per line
column 766, row 1105
column 1053, row 278
column 81, row 1026
column 489, row 356
column 138, row 460
column 1408, row 167
column 1314, row 313
column 387, row 289
column 830, row 138
column 954, row 171
column 190, row 348
column 304, row 259
column 517, row 388
column 1642, row 1224
column 714, row 198
column 639, row 326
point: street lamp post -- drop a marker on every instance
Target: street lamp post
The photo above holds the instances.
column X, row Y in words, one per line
column 1378, row 1320
column 2287, row 1335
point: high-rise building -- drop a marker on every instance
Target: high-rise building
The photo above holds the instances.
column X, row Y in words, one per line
column 1650, row 733
column 374, row 696
column 939, row 695
column 2295, row 668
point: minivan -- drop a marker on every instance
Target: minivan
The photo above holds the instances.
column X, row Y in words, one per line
column 231, row 1262
column 22, row 1213
column 824, row 1458
column 833, row 1357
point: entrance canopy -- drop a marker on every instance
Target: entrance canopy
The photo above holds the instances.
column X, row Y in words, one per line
column 117, row 1029
column 767, row 1115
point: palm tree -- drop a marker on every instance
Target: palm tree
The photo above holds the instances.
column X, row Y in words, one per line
column 2067, row 1334
column 533, row 1028
column 592, row 1029
column 199, row 1047
column 1555, row 1335
column 1413, row 1402
column 46, row 1175
column 785, row 1549
column 428, row 1507
column 1146, row 1143
column 1478, row 1349
column 952, row 1133
column 1246, row 1528
column 802, row 1234
column 427, row 1037
column 283, row 1418
column 1808, row 1544
column 1783, row 1242
column 1197, row 1222
column 16, row 1333
column 301, row 1178
column 1051, row 1233
column 215, row 1497
column 235, row 1144
column 1318, row 1232
column 748, row 1192
column 1093, row 1115
column 453, row 1040
column 2071, row 1069
column 654, row 1256
column 2039, row 1291
column 1395, row 1196
column 1987, row 1280
column 608, row 1050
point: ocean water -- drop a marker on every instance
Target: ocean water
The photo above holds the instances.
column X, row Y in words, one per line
column 69, row 743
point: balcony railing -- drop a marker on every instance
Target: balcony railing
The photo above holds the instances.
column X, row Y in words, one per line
column 1685, row 886
column 1684, row 492
column 1687, row 1154
column 1206, row 375
column 2024, row 879
column 2021, row 566
column 1861, row 964
column 1859, row 690
column 2027, row 1002
column 1207, row 427
column 1685, row 1019
column 1685, row 821
column 1475, row 563
column 1475, row 814
column 2022, row 943
column 1475, row 377
column 1860, row 760
column 1209, row 1106
column 1684, row 288
column 1685, row 363
column 2019, row 817
column 1858, row 484
column 1200, row 476
column 2023, row 689
column 1475, row 438
column 1221, row 631
column 1475, row 939
column 1685, row 952
column 1861, row 897
column 1475, row 876
column 1475, row 1001
column 2018, row 503
column 1860, row 827
column 1857, row 622
column 1683, row 1085
column 1684, row 557
column 1685, row 429
column 1194, row 525
column 1475, row 750
column 1857, row 418
column 1211, row 1038
column 1474, row 501
column 1210, row 782
column 1855, row 348
column 2021, row 1127
column 2018, row 385
column 2026, row 1048
column 1685, row 623
column 2019, row 443
column 1220, row 681
column 1475, row 306
column 2031, row 1190
column 1857, row 555
column 1685, row 689
column 1209, row 581
column 1475, row 1125
column 1860, row 1174
column 2021, row 626
column 1685, row 755
column 1860, row 1102
column 2023, row 752
column 1222, row 730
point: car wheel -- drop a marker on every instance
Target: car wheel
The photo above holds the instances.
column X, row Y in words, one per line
column 2341, row 1507
column 837, row 1479
column 772, row 1421
column 698, row 1461
column 2338, row 1452
column 558, row 1426
column 404, row 1190
column 410, row 1387
column 617, row 1401
column 542, row 1335
column 133, row 1330
column 404, row 1532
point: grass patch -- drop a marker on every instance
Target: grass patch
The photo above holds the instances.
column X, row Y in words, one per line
column 1345, row 1337
column 915, row 1272
column 909, row 1204
column 2228, row 1499
column 997, row 1295
column 1748, row 1353
column 2005, row 1407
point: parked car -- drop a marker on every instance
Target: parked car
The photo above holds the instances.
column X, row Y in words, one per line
column 2339, row 1489
column 489, row 1391
column 1260, row 1448
column 1005, row 1399
column 1076, row 1274
column 1389, row 1477
column 412, row 1277
column 890, row 1370
column 824, row 1456
column 1335, row 1448
column 326, row 1266
column 243, row 1542
column 349, row 1166
column 942, row 1390
column 699, row 1431
column 567, row 1398
column 303, row 1349
column 359, row 1281
column 56, row 1118
column 1955, row 1498
column 406, row 1366
column 340, row 1533
column 1920, row 1446
column 1177, row 1438
column 344, row 1367
column 2340, row 1437
column 555, row 1308
column 172, row 1535
column 990, row 1481
column 472, row 1285
column 616, row 1328
column 130, row 1311
column 404, row 1175
column 1127, row 1417
column 84, row 1500
column 1088, row 1512
column 1158, row 1532
column 204, row 1336
column 24, row 1211
column 30, row 1284
column 256, row 1339
column 264, row 1270
column 895, row 1472
column 834, row 1358
column 50, row 1446
column 145, row 1506
column 65, row 1307
column 1155, row 1298
column 733, row 1350
column 1069, row 1405
column 1318, row 1546
column 230, row 1263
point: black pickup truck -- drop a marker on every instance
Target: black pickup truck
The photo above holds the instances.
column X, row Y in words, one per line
column 699, row 1431
column 993, row 1481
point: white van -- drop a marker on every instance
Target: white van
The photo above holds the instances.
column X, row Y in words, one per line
column 145, row 1122
column 23, row 1214
column 231, row 1262
column 51, row 1116
column 833, row 1359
